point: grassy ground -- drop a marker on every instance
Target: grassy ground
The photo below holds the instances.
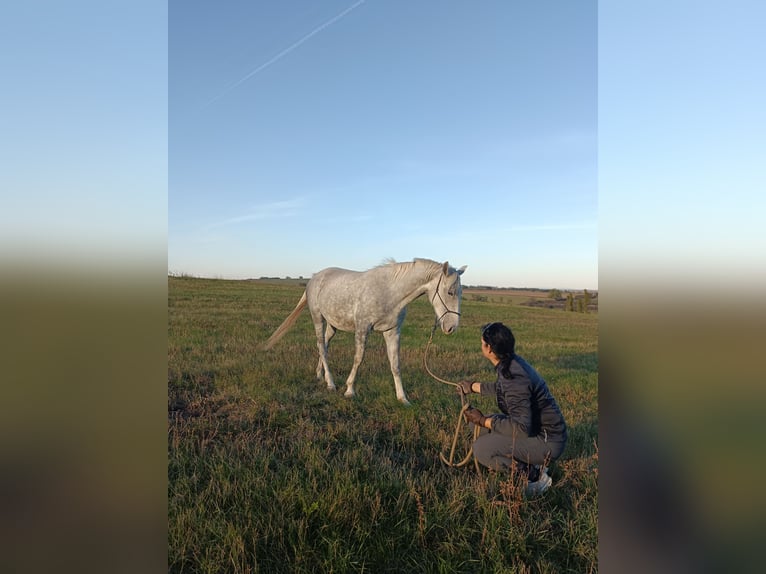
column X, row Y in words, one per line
column 271, row 472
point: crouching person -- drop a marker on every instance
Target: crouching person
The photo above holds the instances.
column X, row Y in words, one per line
column 530, row 431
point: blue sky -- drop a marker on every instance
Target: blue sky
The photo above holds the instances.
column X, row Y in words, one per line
column 237, row 143
column 682, row 144
column 83, row 118
column 304, row 135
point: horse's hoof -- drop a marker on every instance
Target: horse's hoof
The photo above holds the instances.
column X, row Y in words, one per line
column 349, row 394
column 405, row 402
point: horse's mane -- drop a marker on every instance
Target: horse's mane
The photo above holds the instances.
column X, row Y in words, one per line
column 406, row 267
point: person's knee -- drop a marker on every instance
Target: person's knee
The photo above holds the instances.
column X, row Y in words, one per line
column 483, row 454
column 488, row 455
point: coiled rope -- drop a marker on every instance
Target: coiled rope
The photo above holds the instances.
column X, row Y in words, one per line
column 464, row 406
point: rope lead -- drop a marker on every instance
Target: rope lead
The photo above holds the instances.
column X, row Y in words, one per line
column 465, row 405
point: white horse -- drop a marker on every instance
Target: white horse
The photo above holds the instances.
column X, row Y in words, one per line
column 377, row 300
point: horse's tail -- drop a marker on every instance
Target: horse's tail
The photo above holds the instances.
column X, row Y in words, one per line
column 286, row 324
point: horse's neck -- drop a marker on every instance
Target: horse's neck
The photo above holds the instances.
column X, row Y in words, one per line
column 411, row 286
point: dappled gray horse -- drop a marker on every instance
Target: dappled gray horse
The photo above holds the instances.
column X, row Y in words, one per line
column 377, row 300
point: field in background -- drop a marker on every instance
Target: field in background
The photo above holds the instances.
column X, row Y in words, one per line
column 271, row 472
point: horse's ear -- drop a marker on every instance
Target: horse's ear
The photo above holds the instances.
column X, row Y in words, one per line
column 445, row 268
column 463, row 268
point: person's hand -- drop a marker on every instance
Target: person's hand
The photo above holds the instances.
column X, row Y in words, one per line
column 464, row 387
column 474, row 416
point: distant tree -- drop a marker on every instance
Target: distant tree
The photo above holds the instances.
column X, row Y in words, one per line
column 570, row 302
column 586, row 299
column 554, row 294
column 580, row 306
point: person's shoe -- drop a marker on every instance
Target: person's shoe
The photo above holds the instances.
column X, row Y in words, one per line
column 539, row 486
column 535, row 472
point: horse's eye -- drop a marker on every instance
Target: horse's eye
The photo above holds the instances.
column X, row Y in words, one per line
column 451, row 292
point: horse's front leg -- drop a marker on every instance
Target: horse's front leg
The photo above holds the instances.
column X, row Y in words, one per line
column 392, row 346
column 360, row 339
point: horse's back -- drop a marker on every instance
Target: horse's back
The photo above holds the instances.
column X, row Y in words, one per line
column 330, row 278
column 341, row 295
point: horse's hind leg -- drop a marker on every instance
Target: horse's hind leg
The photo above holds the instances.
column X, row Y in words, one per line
column 360, row 339
column 329, row 333
column 319, row 327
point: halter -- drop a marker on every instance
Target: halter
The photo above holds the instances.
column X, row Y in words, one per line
column 437, row 294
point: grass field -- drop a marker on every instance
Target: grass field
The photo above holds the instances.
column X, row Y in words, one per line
column 271, row 472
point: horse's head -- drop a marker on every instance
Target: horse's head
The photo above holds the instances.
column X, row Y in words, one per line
column 446, row 297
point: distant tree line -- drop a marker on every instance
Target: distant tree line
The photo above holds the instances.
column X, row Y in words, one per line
column 572, row 302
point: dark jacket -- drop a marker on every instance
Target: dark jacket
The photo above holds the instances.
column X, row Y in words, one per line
column 526, row 403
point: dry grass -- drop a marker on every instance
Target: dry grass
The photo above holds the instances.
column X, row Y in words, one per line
column 270, row 472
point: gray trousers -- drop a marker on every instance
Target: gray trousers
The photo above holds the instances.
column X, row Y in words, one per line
column 501, row 452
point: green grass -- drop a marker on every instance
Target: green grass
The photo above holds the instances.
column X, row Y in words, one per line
column 271, row 472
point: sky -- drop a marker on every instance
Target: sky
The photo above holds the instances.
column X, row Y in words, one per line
column 540, row 143
column 304, row 135
column 682, row 145
column 83, row 135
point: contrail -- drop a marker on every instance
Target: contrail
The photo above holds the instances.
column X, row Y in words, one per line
column 273, row 210
column 287, row 50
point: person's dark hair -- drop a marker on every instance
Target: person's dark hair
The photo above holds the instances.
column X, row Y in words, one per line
column 502, row 342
